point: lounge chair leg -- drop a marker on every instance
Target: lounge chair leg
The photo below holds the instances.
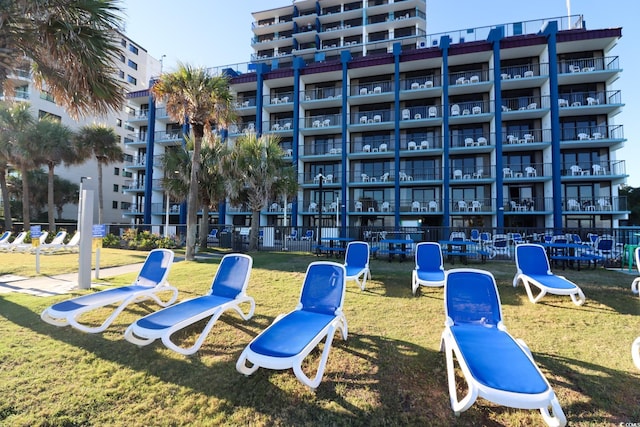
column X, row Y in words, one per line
column 465, row 403
column 553, row 414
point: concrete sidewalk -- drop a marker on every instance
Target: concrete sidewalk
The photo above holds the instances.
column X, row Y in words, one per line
column 45, row 286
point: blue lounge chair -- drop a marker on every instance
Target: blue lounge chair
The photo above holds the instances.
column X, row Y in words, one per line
column 495, row 366
column 533, row 269
column 151, row 282
column 429, row 270
column 356, row 263
column 212, row 237
column 307, row 236
column 19, row 240
column 228, row 291
column 4, row 239
column 291, row 337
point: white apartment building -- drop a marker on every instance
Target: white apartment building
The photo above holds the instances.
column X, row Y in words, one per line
column 135, row 68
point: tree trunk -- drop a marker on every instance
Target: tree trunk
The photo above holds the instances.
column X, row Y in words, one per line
column 204, row 225
column 51, row 208
column 100, row 195
column 8, row 223
column 255, row 230
column 26, row 217
column 192, row 201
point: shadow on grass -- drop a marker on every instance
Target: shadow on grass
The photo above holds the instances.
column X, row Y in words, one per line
column 615, row 390
column 401, row 383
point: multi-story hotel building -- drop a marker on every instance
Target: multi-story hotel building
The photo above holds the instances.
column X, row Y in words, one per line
column 135, row 68
column 511, row 125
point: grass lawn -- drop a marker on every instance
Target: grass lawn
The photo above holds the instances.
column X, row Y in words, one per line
column 388, row 372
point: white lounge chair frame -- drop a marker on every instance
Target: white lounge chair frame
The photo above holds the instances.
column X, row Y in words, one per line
column 545, row 401
column 357, row 273
column 72, row 246
column 635, row 352
column 635, row 285
column 337, row 322
column 568, row 288
column 68, row 312
column 417, row 278
column 190, row 311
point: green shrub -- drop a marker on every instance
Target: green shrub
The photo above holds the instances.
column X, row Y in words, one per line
column 111, row 241
column 145, row 240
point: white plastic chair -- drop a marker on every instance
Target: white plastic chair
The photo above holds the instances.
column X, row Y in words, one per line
column 429, row 268
column 228, row 291
column 149, row 285
column 573, row 205
column 356, row 263
column 533, row 269
column 494, row 365
column 291, row 337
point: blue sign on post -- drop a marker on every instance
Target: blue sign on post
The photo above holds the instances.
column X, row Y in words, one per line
column 99, row 230
column 36, row 231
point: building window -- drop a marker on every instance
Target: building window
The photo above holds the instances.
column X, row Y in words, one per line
column 123, row 42
column 43, row 114
column 114, row 204
column 132, row 80
column 22, row 92
column 122, row 58
column 116, row 188
column 46, row 96
column 133, row 49
column 116, row 171
column 121, row 74
column 119, row 123
column 132, row 64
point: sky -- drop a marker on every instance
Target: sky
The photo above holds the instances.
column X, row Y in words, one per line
column 213, row 33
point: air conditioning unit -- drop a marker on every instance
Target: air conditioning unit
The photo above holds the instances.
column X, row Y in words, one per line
column 421, row 44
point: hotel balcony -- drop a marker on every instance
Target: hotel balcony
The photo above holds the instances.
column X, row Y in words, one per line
column 581, row 103
column 595, row 205
column 591, row 136
column 598, row 171
column 322, row 124
column 133, row 186
column 168, row 138
column 587, row 70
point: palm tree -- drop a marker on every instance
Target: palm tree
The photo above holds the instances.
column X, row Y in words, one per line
column 103, row 144
column 71, row 46
column 16, row 124
column 5, row 160
column 65, row 192
column 195, row 97
column 177, row 166
column 211, row 184
column 258, row 172
column 51, row 144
